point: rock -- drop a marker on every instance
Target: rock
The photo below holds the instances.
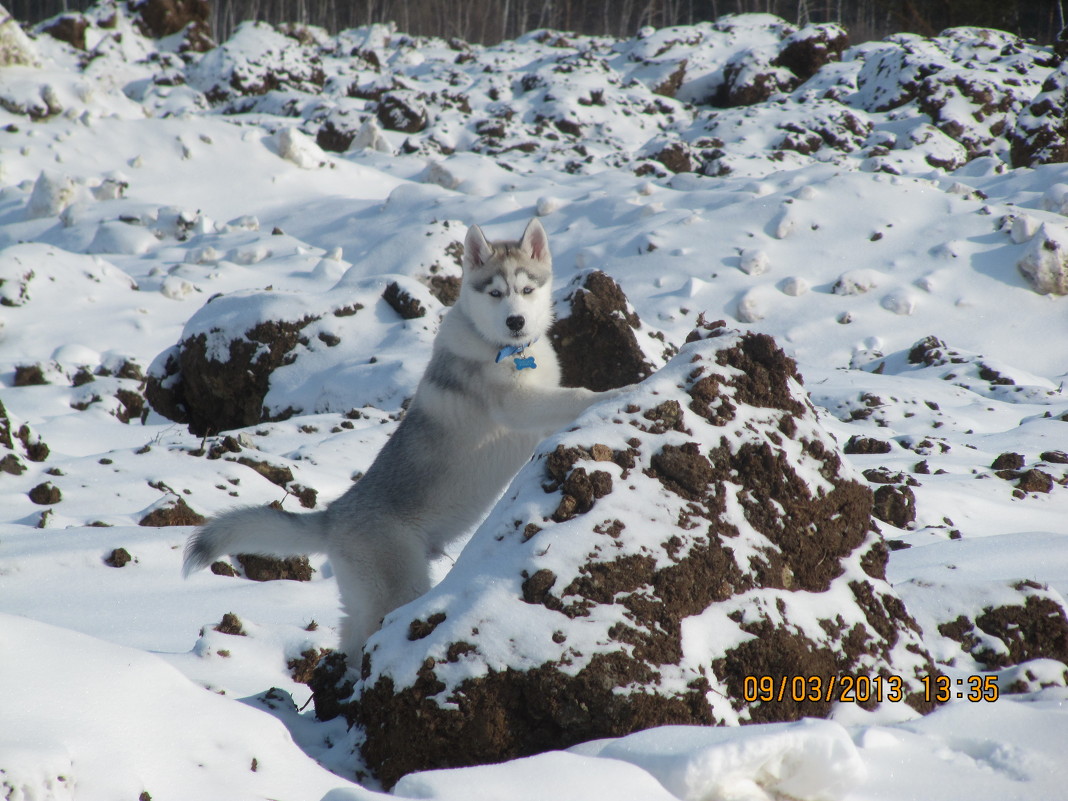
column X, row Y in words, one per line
column 731, row 541
column 598, row 336
column 29, row 375
column 1045, row 262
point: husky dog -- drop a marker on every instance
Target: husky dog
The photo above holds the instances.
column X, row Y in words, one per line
column 490, row 393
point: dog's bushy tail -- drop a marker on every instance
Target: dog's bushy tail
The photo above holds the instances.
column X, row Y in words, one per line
column 255, row 530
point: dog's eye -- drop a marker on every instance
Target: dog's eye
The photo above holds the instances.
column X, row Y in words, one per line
column 495, row 293
column 527, row 290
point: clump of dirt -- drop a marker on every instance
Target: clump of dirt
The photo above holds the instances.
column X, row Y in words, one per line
column 401, row 111
column 331, row 686
column 676, row 157
column 173, row 514
column 160, row 18
column 231, row 624
column 29, row 375
column 1008, row 461
column 12, row 437
column 895, row 504
column 1040, row 135
column 69, row 28
column 719, row 480
column 812, row 47
column 596, row 340
column 279, row 476
column 408, row 307
column 866, row 446
column 45, row 494
column 271, row 568
column 303, row 669
column 751, row 78
column 1035, row 629
column 446, row 288
column 1035, row 480
column 119, row 557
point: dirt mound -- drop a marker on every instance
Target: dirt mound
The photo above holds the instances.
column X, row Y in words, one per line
column 218, row 394
column 1033, row 625
column 1041, row 133
column 174, row 513
column 160, row 18
column 599, row 339
column 812, row 47
column 249, row 358
column 666, row 566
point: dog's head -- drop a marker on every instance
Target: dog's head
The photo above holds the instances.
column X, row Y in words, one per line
column 507, row 286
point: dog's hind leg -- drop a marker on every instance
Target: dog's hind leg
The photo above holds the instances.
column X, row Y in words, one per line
column 386, row 570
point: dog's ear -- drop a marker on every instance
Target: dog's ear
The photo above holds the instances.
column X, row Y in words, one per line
column 535, row 242
column 477, row 251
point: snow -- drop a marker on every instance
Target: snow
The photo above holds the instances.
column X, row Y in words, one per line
column 129, row 199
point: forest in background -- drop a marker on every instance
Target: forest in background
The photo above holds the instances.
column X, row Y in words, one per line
column 490, row 21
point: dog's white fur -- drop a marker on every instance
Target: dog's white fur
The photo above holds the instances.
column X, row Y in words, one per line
column 474, row 421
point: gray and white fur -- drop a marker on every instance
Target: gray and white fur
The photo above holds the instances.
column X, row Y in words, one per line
column 474, row 421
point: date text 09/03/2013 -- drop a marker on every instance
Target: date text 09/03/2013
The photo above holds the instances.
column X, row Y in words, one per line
column 937, row 688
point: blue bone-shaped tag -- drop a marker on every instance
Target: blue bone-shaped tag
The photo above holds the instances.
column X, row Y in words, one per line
column 524, row 362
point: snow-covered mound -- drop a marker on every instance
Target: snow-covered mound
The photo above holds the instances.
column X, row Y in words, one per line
column 893, row 213
column 663, row 565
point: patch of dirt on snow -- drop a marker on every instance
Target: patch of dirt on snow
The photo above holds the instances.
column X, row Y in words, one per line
column 1034, row 629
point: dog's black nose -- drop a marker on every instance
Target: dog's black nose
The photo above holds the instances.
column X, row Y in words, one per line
column 516, row 322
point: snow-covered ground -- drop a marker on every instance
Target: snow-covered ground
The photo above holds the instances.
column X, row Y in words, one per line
column 137, row 184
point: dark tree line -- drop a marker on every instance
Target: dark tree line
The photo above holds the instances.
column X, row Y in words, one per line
column 489, row 21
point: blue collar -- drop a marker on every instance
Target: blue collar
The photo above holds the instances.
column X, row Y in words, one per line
column 521, row 362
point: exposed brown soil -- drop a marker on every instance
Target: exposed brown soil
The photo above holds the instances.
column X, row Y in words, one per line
column 270, row 568
column 596, row 342
column 175, row 514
